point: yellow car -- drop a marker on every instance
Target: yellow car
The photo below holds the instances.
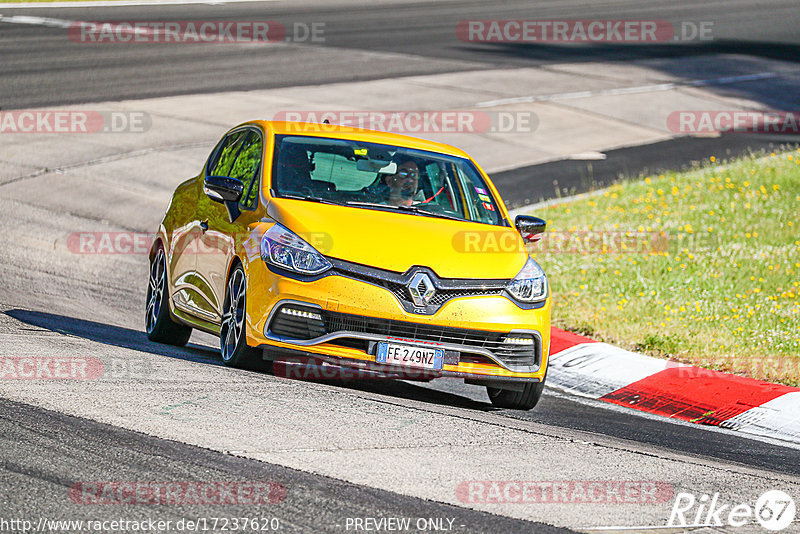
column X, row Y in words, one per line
column 355, row 248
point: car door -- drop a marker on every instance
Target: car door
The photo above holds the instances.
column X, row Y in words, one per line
column 220, row 234
column 190, row 288
column 183, row 242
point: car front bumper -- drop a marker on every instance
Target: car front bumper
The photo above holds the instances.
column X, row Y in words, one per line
column 345, row 318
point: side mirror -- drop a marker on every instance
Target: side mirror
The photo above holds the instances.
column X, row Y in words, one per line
column 223, row 188
column 530, row 227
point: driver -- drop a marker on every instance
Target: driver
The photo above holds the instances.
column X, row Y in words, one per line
column 403, row 184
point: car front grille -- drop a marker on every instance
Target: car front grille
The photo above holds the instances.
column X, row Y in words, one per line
column 442, row 295
column 397, row 283
column 318, row 323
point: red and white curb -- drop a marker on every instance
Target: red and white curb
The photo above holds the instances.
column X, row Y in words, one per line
column 584, row 367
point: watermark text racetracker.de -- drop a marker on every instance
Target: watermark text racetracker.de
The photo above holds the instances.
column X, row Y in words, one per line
column 40, row 121
column 195, row 32
column 583, row 31
column 178, row 493
column 112, row 243
column 415, row 121
column 564, row 491
column 584, row 242
column 734, row 121
column 50, row 368
column 80, row 368
column 313, row 369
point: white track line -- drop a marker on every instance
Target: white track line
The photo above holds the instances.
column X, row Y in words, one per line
column 64, row 23
column 37, row 21
column 156, row 3
column 629, row 90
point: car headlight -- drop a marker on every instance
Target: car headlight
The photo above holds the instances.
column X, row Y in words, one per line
column 285, row 249
column 530, row 284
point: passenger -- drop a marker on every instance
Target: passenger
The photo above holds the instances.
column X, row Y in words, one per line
column 294, row 169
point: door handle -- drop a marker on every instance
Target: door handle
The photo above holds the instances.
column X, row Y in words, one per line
column 204, row 225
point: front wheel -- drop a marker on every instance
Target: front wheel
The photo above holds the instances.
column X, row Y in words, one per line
column 232, row 339
column 159, row 325
column 524, row 399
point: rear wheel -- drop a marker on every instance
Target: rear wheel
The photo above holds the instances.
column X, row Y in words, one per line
column 232, row 339
column 158, row 323
column 524, row 399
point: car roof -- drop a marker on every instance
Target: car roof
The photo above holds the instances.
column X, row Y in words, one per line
column 358, row 134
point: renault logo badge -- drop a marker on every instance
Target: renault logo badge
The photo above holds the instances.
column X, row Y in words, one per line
column 422, row 289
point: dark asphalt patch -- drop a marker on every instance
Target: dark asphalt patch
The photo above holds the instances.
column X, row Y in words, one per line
column 547, row 181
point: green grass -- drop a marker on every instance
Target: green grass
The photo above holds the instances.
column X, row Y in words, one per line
column 710, row 272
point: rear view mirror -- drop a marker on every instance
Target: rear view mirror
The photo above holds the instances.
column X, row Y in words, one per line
column 530, row 227
column 376, row 165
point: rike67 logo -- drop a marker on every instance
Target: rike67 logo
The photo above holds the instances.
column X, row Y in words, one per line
column 774, row 510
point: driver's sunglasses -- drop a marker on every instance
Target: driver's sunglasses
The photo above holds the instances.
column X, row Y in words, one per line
column 408, row 173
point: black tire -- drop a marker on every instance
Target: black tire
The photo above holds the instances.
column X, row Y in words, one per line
column 232, row 339
column 158, row 322
column 526, row 399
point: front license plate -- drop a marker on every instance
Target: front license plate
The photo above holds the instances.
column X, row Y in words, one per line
column 409, row 355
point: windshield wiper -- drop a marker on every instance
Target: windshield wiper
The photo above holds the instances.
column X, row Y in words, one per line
column 311, row 199
column 410, row 209
column 428, row 213
column 368, row 204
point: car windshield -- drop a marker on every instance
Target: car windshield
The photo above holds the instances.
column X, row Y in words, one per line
column 376, row 176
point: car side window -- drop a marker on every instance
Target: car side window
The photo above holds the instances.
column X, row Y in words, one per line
column 246, row 167
column 225, row 154
column 441, row 188
column 477, row 197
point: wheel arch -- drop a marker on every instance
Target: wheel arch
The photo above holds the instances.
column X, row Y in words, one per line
column 159, row 239
column 157, row 242
column 235, row 260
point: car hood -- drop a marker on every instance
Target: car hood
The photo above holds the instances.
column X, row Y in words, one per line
column 397, row 241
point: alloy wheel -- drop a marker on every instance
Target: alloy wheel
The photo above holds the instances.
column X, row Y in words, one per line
column 233, row 317
column 155, row 290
